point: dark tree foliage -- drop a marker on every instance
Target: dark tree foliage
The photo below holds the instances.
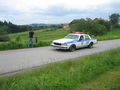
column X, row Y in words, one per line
column 114, row 18
column 107, row 24
column 88, row 26
column 12, row 28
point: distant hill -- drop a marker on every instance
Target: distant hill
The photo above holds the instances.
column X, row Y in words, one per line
column 42, row 24
column 38, row 26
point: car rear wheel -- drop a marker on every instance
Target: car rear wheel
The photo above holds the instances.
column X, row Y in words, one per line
column 72, row 48
column 90, row 45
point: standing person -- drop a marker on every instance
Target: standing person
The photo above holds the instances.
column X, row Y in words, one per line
column 30, row 40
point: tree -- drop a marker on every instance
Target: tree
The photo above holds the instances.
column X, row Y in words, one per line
column 1, row 23
column 78, row 25
column 114, row 18
column 97, row 29
column 12, row 28
column 107, row 24
column 88, row 26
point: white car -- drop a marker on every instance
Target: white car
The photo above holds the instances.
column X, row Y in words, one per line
column 73, row 41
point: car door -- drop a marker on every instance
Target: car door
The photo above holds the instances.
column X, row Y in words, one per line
column 80, row 42
column 86, row 40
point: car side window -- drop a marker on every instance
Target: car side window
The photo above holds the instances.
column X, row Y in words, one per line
column 87, row 37
column 81, row 37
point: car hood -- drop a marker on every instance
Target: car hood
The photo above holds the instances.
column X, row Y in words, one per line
column 63, row 40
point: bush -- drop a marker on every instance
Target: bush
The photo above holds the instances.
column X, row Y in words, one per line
column 97, row 29
column 107, row 24
column 88, row 26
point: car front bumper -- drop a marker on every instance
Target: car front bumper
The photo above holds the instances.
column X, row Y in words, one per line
column 60, row 46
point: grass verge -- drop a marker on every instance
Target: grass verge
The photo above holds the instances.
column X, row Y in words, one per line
column 109, row 80
column 66, row 75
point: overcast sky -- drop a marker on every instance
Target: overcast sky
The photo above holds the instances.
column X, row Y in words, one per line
column 55, row 11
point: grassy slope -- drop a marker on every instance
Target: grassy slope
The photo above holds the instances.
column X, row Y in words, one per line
column 43, row 35
column 65, row 75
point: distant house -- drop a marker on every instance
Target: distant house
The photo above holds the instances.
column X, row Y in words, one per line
column 99, row 19
column 66, row 25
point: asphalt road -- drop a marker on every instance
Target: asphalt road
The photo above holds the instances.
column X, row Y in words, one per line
column 12, row 61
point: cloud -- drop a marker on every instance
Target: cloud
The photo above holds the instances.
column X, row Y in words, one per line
column 55, row 11
column 2, row 18
column 25, row 5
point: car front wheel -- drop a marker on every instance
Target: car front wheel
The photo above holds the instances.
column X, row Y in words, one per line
column 72, row 48
column 90, row 45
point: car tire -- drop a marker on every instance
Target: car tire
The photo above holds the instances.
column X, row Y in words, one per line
column 90, row 45
column 72, row 48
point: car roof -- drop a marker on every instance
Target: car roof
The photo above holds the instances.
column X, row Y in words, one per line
column 77, row 34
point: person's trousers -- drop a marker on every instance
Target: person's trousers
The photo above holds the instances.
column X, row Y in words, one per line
column 30, row 42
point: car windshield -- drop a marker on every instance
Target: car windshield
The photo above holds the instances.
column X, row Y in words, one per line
column 72, row 37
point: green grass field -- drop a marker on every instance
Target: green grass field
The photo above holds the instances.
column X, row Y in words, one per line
column 19, row 40
column 100, row 70
column 43, row 35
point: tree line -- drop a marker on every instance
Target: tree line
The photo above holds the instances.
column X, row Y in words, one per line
column 12, row 28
